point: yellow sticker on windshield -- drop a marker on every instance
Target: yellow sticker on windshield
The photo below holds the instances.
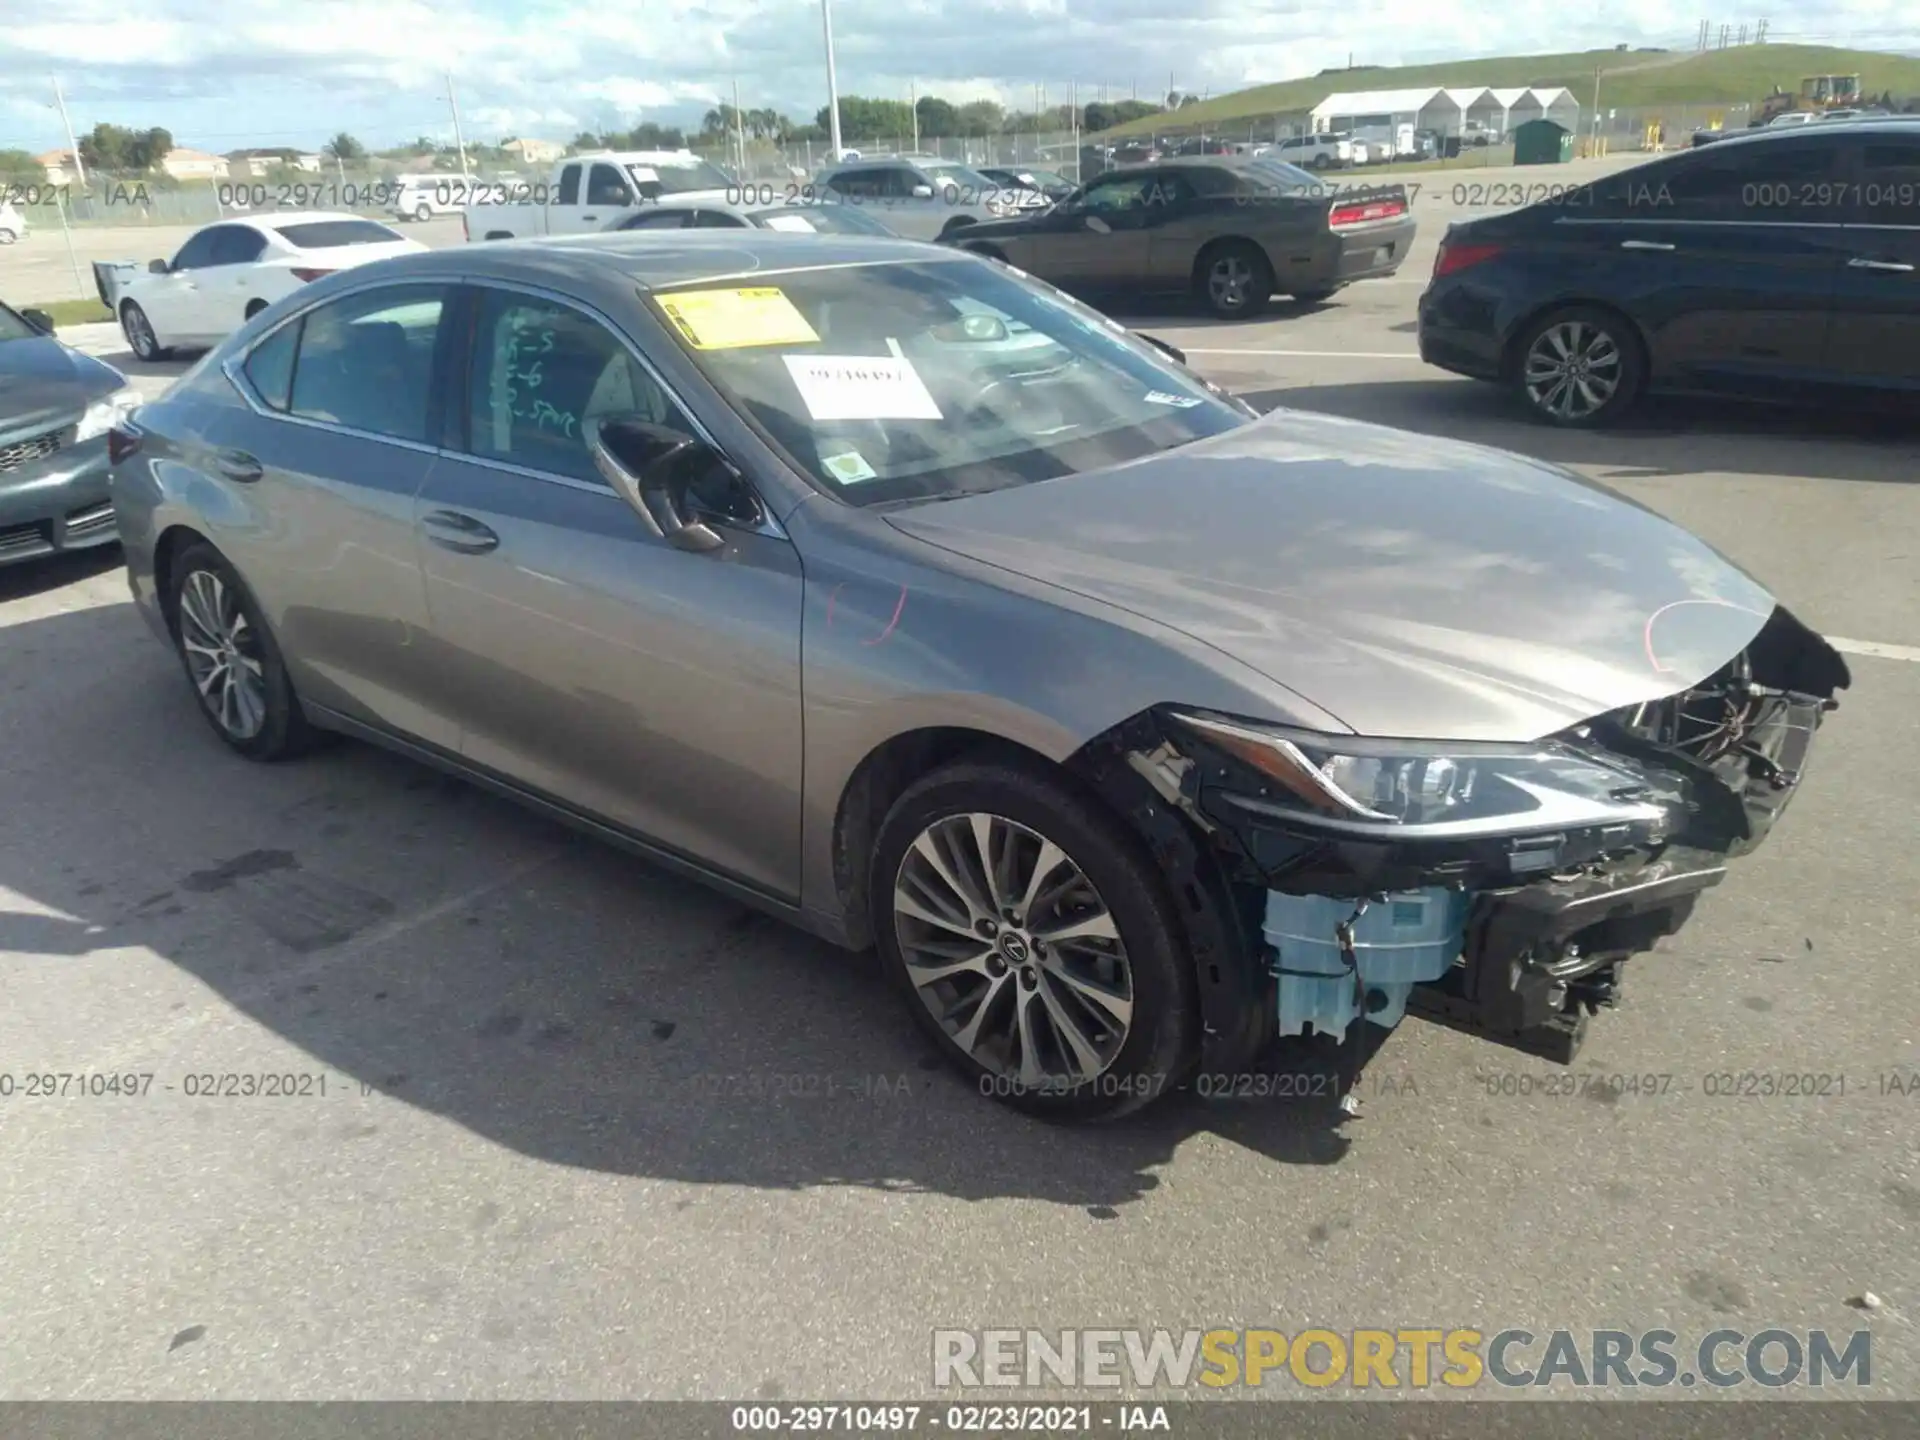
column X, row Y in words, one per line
column 736, row 319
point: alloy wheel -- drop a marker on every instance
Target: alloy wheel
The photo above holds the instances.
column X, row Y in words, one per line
column 1013, row 951
column 1573, row 370
column 140, row 334
column 1230, row 282
column 223, row 655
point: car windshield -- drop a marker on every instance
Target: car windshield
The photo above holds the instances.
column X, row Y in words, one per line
column 929, row 379
column 959, row 176
column 12, row 327
column 328, row 234
column 677, row 176
column 819, row 219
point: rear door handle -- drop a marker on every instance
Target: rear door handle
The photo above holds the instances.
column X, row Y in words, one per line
column 463, row 534
column 1645, row 245
column 238, row 465
column 1895, row 266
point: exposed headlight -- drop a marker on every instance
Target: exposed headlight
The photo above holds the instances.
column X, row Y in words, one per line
column 1409, row 790
column 106, row 412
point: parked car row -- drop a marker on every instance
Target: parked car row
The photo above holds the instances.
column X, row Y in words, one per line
column 712, row 547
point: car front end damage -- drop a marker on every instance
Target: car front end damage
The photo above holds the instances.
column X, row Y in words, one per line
column 1500, row 889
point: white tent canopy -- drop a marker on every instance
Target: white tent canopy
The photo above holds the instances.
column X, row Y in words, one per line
column 1446, row 108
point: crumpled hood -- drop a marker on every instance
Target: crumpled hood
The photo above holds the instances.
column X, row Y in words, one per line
column 1410, row 586
column 42, row 383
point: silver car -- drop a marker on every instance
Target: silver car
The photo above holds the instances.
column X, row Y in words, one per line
column 924, row 197
column 1133, row 728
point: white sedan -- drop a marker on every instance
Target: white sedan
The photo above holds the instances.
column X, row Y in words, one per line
column 227, row 273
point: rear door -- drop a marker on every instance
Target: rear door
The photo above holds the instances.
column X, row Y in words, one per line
column 1876, row 324
column 226, row 287
column 322, row 470
column 585, row 657
column 1729, row 258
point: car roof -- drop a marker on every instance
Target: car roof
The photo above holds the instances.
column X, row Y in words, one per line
column 1853, row 125
column 621, row 260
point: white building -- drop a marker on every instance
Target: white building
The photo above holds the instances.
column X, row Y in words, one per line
column 1450, row 110
column 535, row 152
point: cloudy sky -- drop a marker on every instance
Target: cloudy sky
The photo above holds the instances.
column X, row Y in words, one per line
column 293, row 72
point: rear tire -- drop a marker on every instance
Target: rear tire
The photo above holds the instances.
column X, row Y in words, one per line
column 422, row 213
column 231, row 659
column 1083, row 1008
column 1233, row 280
column 7, row 237
column 1579, row 368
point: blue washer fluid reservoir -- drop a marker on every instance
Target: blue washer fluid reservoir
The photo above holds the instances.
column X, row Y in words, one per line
column 1399, row 941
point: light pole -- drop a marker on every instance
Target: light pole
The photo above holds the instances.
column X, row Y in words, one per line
column 833, row 80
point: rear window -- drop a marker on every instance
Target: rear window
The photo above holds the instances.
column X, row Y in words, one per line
column 326, row 234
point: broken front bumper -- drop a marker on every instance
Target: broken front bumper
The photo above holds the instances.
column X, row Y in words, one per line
column 1537, row 923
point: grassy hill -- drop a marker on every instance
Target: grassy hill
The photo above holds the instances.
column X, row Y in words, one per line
column 1630, row 80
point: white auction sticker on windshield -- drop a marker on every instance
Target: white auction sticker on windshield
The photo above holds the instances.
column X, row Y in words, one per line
column 861, row 387
column 645, row 174
column 1161, row 397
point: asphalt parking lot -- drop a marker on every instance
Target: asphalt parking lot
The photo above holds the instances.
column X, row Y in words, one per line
column 589, row 1133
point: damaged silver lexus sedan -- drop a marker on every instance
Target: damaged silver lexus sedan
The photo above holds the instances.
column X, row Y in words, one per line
column 894, row 593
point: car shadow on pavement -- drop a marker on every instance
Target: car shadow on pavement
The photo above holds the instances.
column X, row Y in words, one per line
column 423, row 940
column 1662, row 437
column 52, row 572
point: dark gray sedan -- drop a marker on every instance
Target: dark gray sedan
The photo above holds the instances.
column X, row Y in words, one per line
column 56, row 409
column 900, row 596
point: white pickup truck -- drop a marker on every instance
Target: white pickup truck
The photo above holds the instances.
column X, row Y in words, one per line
column 585, row 193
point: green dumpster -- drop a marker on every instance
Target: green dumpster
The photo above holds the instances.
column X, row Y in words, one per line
column 1542, row 142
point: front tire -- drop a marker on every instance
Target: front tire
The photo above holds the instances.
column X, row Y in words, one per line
column 1579, row 368
column 422, row 213
column 1034, row 941
column 232, row 660
column 1234, row 280
column 139, row 331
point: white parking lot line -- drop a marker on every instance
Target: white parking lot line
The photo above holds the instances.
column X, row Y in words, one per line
column 1876, row 649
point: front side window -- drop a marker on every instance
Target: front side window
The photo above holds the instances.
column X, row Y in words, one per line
column 197, row 253
column 541, row 370
column 13, row 327
column 606, row 186
column 366, row 361
column 1765, row 181
column 717, row 220
column 896, row 381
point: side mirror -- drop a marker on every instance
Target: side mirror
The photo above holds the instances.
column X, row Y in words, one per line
column 158, row 267
column 1172, row 352
column 923, row 192
column 39, row 319
column 651, row 465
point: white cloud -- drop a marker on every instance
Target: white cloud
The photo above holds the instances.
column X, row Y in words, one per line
column 274, row 69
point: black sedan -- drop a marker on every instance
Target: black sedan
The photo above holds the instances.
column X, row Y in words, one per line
column 1231, row 232
column 1778, row 266
column 56, row 408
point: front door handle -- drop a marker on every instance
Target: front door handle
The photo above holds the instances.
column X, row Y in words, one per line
column 1895, row 266
column 1645, row 245
column 238, row 465
column 463, row 534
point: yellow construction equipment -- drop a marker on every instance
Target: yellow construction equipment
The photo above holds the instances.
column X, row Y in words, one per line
column 1817, row 93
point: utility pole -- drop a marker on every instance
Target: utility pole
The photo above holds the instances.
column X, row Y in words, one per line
column 459, row 140
column 1596, row 106
column 913, row 106
column 60, row 104
column 833, row 81
column 739, row 134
